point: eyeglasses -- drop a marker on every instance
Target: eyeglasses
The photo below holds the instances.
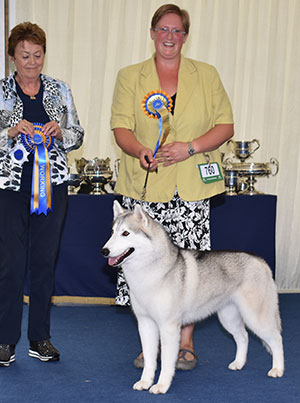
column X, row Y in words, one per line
column 165, row 31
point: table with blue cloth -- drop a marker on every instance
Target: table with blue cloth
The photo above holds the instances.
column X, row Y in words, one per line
column 243, row 223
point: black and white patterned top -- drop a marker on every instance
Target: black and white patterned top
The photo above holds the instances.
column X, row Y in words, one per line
column 59, row 106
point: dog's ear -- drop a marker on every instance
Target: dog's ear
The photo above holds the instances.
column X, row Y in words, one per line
column 141, row 215
column 118, row 209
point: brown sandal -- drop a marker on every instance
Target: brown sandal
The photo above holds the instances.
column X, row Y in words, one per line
column 183, row 363
column 139, row 361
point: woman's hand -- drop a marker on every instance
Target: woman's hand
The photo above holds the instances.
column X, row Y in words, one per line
column 178, row 151
column 147, row 154
column 50, row 129
column 172, row 153
column 127, row 141
column 53, row 129
column 22, row 127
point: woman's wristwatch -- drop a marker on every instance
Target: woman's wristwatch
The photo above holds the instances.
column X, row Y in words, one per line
column 191, row 149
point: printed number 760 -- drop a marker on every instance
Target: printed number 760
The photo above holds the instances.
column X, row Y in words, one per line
column 210, row 170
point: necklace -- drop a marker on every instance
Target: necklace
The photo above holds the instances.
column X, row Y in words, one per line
column 32, row 94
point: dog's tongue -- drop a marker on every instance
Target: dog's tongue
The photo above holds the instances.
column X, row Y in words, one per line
column 112, row 260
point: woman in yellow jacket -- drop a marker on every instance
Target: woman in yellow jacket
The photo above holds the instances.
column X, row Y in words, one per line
column 197, row 118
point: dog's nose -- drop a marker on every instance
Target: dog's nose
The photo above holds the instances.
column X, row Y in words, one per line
column 105, row 252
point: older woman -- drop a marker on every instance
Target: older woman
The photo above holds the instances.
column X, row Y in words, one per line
column 200, row 121
column 38, row 126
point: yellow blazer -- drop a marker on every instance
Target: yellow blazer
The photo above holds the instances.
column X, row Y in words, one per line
column 201, row 103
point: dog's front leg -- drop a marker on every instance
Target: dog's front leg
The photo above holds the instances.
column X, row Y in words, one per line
column 149, row 339
column 170, row 340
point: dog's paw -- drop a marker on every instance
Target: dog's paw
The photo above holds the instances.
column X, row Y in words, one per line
column 236, row 365
column 142, row 385
column 159, row 388
column 276, row 372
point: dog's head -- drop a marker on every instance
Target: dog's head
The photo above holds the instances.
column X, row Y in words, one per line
column 130, row 233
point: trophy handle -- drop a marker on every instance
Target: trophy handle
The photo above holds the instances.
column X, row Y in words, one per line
column 257, row 145
column 274, row 161
column 227, row 163
column 117, row 167
column 231, row 144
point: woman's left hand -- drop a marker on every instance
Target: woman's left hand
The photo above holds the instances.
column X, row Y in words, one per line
column 172, row 153
column 53, row 129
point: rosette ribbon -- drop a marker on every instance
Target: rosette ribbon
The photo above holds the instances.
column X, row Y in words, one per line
column 41, row 187
column 158, row 104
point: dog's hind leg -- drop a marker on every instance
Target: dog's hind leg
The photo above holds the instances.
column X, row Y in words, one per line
column 261, row 315
column 170, row 340
column 149, row 335
column 274, row 341
column 232, row 321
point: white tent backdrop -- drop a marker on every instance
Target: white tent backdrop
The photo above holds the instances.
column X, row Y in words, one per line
column 253, row 43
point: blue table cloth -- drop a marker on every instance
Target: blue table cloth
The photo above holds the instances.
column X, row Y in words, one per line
column 245, row 223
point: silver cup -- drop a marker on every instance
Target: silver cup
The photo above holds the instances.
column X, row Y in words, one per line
column 231, row 181
column 249, row 172
column 243, row 149
column 80, row 164
column 98, row 173
column 74, row 181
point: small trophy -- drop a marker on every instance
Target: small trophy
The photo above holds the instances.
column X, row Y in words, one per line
column 240, row 177
column 244, row 149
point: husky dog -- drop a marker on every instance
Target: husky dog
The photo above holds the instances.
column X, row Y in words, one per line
column 171, row 287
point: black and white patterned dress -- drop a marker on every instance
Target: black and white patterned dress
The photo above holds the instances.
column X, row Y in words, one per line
column 186, row 222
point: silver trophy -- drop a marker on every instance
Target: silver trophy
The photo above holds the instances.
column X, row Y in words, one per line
column 80, row 164
column 244, row 149
column 231, row 177
column 248, row 173
column 74, row 180
column 240, row 178
column 98, row 173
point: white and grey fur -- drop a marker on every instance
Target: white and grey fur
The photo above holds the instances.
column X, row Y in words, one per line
column 171, row 287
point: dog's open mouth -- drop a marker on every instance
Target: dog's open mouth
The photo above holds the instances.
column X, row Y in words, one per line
column 116, row 261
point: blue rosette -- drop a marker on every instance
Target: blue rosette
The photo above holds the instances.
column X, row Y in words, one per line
column 157, row 105
column 41, row 187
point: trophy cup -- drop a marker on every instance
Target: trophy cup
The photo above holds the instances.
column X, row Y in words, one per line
column 254, row 169
column 240, row 178
column 98, row 173
column 244, row 149
column 80, row 164
column 231, row 181
column 74, row 180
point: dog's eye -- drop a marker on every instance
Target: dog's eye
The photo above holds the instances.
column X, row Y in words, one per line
column 125, row 233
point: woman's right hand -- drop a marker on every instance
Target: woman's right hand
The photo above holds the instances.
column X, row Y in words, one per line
column 127, row 141
column 145, row 156
column 22, row 127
